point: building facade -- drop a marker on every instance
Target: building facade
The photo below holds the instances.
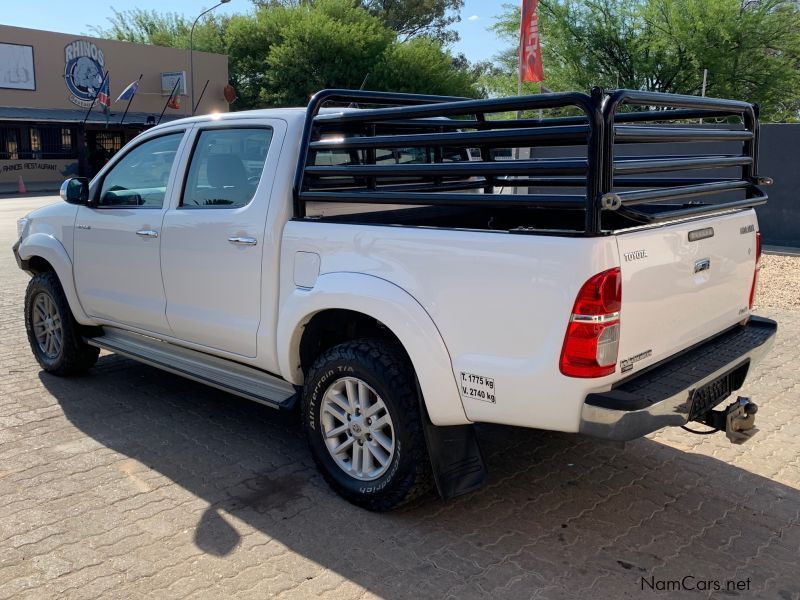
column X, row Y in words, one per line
column 49, row 127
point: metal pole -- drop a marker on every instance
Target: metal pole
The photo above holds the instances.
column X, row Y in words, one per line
column 172, row 93
column 363, row 83
column 191, row 45
column 519, row 75
column 200, row 99
column 703, row 90
column 91, row 106
column 129, row 101
column 191, row 63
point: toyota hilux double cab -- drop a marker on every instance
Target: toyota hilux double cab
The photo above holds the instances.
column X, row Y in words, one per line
column 401, row 267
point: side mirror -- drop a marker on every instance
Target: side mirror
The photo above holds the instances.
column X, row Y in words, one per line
column 75, row 190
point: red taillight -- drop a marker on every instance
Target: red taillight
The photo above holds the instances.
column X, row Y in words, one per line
column 756, row 270
column 592, row 340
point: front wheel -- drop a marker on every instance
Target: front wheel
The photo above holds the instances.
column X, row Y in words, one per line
column 54, row 335
column 362, row 420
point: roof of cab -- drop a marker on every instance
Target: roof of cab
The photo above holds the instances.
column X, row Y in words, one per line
column 293, row 113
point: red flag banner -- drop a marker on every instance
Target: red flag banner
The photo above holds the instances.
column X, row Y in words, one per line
column 104, row 95
column 530, row 50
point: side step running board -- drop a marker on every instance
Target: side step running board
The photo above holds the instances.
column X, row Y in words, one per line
column 220, row 373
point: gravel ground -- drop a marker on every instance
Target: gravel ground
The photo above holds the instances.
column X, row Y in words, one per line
column 779, row 282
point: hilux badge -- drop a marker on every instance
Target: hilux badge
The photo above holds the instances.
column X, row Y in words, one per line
column 627, row 364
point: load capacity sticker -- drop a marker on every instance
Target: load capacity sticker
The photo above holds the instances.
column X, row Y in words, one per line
column 477, row 387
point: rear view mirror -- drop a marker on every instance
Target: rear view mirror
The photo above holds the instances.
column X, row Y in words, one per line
column 75, row 190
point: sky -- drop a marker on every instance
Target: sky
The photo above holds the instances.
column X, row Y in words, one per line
column 77, row 17
column 477, row 43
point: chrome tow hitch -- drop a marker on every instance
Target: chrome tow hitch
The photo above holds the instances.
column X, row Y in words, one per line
column 740, row 419
column 737, row 421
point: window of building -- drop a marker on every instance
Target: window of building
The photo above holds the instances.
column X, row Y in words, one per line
column 51, row 142
column 36, row 140
column 66, row 137
column 110, row 141
column 9, row 143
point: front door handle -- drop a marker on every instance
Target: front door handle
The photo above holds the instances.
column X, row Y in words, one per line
column 243, row 241
column 147, row 233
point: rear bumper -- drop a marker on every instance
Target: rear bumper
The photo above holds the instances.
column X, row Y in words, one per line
column 680, row 388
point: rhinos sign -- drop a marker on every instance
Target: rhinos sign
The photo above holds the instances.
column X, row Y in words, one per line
column 83, row 71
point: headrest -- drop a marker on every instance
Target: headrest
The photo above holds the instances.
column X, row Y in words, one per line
column 226, row 170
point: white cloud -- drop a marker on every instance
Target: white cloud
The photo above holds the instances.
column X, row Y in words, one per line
column 473, row 18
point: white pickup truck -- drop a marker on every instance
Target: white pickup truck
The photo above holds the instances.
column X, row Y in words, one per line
column 391, row 268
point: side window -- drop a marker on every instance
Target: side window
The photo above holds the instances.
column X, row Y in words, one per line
column 140, row 178
column 226, row 167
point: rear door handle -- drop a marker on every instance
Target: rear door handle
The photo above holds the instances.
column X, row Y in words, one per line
column 147, row 233
column 243, row 241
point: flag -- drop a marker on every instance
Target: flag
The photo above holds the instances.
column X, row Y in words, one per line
column 174, row 102
column 530, row 49
column 104, row 96
column 128, row 92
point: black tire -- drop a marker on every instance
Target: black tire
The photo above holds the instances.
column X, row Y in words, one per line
column 387, row 370
column 74, row 355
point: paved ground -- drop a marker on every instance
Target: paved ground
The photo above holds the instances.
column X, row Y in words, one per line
column 132, row 483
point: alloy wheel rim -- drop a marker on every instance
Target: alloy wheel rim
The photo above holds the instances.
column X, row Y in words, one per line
column 357, row 429
column 47, row 326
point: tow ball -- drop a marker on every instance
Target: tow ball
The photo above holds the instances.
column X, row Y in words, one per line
column 737, row 420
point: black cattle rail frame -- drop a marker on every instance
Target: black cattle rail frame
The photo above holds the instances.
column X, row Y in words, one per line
column 632, row 187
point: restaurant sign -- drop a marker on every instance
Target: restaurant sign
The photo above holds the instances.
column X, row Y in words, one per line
column 83, row 71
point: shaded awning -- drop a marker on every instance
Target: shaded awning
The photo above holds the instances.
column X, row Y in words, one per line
column 66, row 115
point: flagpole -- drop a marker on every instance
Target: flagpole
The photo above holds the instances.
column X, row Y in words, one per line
column 174, row 87
column 91, row 106
column 130, row 99
column 519, row 56
column 519, row 72
column 200, row 99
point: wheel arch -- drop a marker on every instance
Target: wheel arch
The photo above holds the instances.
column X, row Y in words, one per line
column 40, row 252
column 368, row 304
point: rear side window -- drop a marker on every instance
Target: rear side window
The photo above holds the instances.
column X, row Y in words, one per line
column 226, row 167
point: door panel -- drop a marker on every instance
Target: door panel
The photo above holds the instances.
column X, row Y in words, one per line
column 212, row 244
column 117, row 239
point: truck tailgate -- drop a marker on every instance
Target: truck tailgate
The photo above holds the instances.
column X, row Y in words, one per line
column 683, row 283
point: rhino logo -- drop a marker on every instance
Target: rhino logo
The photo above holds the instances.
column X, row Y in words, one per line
column 83, row 71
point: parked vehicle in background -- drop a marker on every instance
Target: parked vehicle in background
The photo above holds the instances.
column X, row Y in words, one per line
column 396, row 274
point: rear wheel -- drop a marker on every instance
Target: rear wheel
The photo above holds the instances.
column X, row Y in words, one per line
column 362, row 421
column 54, row 335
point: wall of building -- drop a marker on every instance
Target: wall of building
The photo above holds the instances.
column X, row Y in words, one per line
column 779, row 218
column 48, row 81
column 123, row 60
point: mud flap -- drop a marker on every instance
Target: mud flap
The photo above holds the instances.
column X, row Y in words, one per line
column 456, row 459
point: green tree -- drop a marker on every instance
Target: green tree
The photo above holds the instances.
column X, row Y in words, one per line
column 409, row 18
column 751, row 49
column 164, row 29
column 334, row 45
column 281, row 54
column 421, row 66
